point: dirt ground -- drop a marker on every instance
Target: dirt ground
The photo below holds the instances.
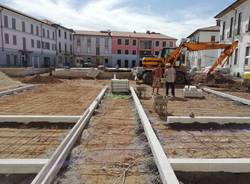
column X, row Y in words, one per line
column 211, row 105
column 201, row 142
column 71, row 97
column 22, row 142
column 112, row 149
column 7, row 83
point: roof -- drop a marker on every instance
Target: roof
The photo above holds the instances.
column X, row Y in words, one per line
column 92, row 33
column 229, row 8
column 151, row 35
column 206, row 29
column 20, row 13
column 56, row 25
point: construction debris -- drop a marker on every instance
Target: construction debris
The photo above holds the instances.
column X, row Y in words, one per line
column 120, row 85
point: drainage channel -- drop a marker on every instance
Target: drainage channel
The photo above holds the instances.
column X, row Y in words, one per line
column 113, row 149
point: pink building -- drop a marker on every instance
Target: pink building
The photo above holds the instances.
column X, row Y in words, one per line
column 128, row 48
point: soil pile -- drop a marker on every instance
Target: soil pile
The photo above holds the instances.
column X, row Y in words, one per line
column 38, row 79
column 216, row 80
column 6, row 82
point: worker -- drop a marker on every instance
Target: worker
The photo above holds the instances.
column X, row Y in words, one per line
column 157, row 75
column 170, row 75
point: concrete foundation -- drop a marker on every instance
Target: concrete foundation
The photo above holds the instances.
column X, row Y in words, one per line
column 209, row 119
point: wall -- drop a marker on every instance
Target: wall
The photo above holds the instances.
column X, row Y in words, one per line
column 244, row 38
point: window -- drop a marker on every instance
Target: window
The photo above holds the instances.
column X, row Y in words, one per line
column 71, row 50
column 134, row 42
column 119, row 51
column 119, row 63
column 59, row 33
column 14, row 40
column 126, row 63
column 23, row 26
column 127, row 42
column 53, row 35
column 70, row 36
column 106, row 61
column 8, row 60
column 236, row 57
column 171, row 44
column 48, row 34
column 134, row 52
column 13, row 23
column 231, row 28
column 6, row 38
column 6, row 21
column 223, row 31
column 106, row 43
column 43, row 32
column 32, row 43
column 47, row 45
column 119, row 42
column 60, row 47
column 65, row 35
column 37, row 30
column 43, row 45
column 38, row 44
column 97, row 51
column 98, row 41
column 133, row 63
column 157, row 43
column 65, row 47
column 239, row 23
column 126, row 52
column 164, row 44
column 78, row 42
column 31, row 29
column 24, row 43
column 247, row 55
column 88, row 42
column 156, row 53
column 213, row 38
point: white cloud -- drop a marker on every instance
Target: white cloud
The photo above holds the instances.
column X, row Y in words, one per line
column 112, row 14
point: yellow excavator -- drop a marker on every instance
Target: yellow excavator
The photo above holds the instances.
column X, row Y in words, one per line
column 176, row 57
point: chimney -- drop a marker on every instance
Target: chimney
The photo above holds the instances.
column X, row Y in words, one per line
column 217, row 22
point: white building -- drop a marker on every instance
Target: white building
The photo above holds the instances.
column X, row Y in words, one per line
column 202, row 59
column 25, row 41
column 92, row 47
column 235, row 25
column 64, row 45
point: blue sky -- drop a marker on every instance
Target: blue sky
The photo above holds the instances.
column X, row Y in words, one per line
column 177, row 18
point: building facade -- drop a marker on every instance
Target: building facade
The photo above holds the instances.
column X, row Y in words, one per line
column 204, row 58
column 128, row 48
column 235, row 25
column 92, row 48
column 25, row 41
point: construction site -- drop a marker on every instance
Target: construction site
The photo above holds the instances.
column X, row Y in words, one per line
column 110, row 107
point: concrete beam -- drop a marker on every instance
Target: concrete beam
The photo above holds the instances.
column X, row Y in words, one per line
column 207, row 119
column 211, row 165
column 19, row 89
column 38, row 118
column 231, row 97
column 50, row 170
column 21, row 166
column 165, row 169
